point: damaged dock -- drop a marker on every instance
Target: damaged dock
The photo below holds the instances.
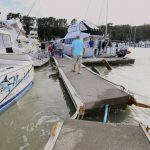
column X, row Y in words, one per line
column 87, row 135
column 88, row 90
column 111, row 61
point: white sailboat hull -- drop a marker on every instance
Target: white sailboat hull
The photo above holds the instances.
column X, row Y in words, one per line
column 16, row 79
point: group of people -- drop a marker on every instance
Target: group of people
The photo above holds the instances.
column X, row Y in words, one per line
column 77, row 50
column 99, row 46
column 53, row 47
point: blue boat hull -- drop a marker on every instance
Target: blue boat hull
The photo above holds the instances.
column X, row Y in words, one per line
column 16, row 97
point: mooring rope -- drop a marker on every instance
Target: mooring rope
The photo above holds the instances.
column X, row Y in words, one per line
column 132, row 100
column 113, row 83
column 133, row 93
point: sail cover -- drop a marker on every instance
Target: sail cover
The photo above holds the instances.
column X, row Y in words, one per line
column 88, row 27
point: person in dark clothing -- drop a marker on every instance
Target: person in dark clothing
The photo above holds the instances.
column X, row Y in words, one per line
column 91, row 46
column 60, row 49
column 50, row 50
column 43, row 46
column 99, row 47
column 91, row 43
column 103, row 45
column 116, row 45
column 109, row 43
column 53, row 46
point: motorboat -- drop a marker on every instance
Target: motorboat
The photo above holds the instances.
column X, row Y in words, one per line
column 88, row 31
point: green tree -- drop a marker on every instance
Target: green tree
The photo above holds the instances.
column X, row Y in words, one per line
column 14, row 16
column 27, row 22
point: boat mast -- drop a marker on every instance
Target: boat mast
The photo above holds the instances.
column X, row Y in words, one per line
column 130, row 36
column 87, row 10
column 134, row 36
column 106, row 20
column 27, row 16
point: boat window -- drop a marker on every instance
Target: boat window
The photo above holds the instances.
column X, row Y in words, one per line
column 69, row 41
column 1, row 42
column 82, row 27
column 7, row 41
column 72, row 29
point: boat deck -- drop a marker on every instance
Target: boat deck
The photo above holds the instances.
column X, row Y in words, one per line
column 40, row 62
column 6, row 65
column 90, row 90
column 87, row 135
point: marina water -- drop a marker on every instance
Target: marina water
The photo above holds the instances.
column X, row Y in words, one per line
column 26, row 124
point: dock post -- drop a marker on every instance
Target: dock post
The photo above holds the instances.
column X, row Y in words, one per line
column 105, row 62
column 81, row 113
column 106, row 113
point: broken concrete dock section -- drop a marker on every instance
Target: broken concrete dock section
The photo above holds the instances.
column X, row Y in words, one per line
column 87, row 135
column 90, row 90
column 111, row 61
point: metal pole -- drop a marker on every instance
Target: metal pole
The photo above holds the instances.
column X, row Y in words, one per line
column 44, row 34
column 106, row 20
column 106, row 113
column 130, row 36
column 134, row 36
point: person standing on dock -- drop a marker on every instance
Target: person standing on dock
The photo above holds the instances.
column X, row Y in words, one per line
column 91, row 46
column 77, row 50
column 60, row 49
column 99, row 47
column 50, row 50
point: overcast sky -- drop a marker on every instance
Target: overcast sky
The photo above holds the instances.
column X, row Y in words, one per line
column 134, row 12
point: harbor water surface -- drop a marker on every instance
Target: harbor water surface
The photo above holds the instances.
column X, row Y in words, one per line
column 26, row 124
